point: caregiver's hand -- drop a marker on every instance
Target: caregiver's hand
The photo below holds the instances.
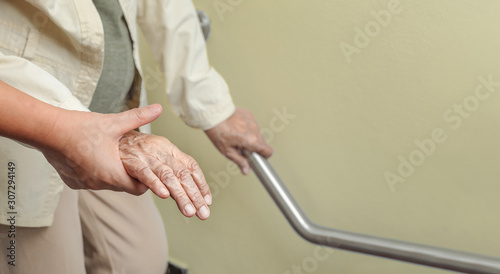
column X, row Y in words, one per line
column 84, row 148
column 167, row 171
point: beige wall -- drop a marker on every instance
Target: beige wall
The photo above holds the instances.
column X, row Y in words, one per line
column 358, row 106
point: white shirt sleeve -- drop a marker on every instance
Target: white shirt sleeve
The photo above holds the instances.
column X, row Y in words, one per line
column 195, row 91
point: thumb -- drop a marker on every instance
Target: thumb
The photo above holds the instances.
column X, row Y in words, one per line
column 137, row 117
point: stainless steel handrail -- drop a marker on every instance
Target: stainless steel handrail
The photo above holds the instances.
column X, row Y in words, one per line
column 367, row 244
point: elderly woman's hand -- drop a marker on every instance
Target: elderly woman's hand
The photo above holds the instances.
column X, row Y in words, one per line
column 239, row 132
column 167, row 171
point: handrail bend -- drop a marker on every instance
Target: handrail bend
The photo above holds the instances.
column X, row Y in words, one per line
column 383, row 247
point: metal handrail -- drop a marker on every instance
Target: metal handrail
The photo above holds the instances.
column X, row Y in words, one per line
column 383, row 247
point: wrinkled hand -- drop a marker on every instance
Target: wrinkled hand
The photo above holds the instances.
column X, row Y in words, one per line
column 83, row 147
column 167, row 171
column 239, row 132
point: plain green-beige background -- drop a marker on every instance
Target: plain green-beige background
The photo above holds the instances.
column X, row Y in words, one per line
column 352, row 122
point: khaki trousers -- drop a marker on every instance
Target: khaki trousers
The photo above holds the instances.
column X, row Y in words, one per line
column 94, row 232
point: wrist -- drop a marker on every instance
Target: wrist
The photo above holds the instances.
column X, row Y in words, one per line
column 53, row 127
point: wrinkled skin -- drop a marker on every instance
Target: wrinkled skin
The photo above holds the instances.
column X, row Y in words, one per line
column 239, row 132
column 167, row 171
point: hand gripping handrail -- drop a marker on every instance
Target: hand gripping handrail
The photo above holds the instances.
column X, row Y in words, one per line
column 367, row 244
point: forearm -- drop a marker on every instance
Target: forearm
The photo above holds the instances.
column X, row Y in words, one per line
column 25, row 118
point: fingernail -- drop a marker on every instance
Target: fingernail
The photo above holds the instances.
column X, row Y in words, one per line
column 204, row 212
column 155, row 108
column 208, row 199
column 190, row 210
column 246, row 170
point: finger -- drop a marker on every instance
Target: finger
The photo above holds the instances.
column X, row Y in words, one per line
column 143, row 173
column 168, row 178
column 239, row 159
column 135, row 187
column 259, row 145
column 264, row 149
column 135, row 118
column 186, row 180
column 119, row 182
column 197, row 174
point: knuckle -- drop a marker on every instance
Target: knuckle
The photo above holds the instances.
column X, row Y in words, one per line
column 197, row 200
column 162, row 139
column 132, row 164
column 142, row 169
column 140, row 114
column 192, row 164
column 262, row 148
column 204, row 188
column 180, row 196
column 183, row 175
column 253, row 139
column 166, row 175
